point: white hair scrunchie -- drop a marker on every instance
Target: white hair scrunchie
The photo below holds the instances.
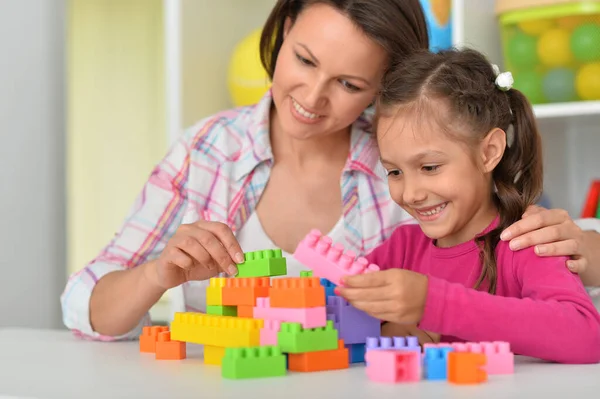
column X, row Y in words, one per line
column 504, row 80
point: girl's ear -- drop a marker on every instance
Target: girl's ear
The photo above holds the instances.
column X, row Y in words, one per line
column 492, row 149
column 287, row 25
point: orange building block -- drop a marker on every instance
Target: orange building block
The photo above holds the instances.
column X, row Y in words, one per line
column 169, row 350
column 149, row 337
column 466, row 368
column 336, row 359
column 297, row 292
column 244, row 291
column 245, row 311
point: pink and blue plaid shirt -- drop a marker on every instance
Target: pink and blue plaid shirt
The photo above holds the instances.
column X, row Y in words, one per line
column 217, row 171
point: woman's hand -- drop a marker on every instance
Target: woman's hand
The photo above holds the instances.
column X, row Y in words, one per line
column 197, row 251
column 553, row 233
column 393, row 295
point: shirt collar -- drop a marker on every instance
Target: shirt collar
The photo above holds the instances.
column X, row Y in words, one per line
column 363, row 157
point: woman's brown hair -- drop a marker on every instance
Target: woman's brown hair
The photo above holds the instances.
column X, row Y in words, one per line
column 464, row 81
column 397, row 25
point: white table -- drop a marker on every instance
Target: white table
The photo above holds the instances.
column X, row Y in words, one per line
column 54, row 364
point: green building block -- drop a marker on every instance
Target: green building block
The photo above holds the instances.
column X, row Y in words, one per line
column 292, row 338
column 253, row 362
column 221, row 310
column 265, row 263
column 306, row 273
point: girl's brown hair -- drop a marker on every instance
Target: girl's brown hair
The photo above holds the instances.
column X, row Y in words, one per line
column 397, row 25
column 464, row 81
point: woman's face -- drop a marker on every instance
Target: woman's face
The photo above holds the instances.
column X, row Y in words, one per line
column 328, row 71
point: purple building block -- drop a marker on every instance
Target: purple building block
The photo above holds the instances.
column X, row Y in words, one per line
column 399, row 343
column 353, row 325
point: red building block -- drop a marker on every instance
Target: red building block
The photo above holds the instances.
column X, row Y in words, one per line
column 336, row 359
column 297, row 292
column 169, row 350
column 244, row 291
column 149, row 337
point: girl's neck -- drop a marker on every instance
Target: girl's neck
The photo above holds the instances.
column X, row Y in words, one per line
column 477, row 224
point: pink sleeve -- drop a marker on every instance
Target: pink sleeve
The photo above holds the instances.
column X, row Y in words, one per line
column 553, row 320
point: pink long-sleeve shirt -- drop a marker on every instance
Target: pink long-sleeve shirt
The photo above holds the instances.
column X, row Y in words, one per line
column 540, row 307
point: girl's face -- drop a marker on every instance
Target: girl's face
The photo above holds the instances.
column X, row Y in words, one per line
column 327, row 73
column 443, row 184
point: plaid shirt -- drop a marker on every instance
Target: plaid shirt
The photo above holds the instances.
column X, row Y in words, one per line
column 217, row 171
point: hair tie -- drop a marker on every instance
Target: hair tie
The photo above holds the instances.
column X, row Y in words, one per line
column 504, row 80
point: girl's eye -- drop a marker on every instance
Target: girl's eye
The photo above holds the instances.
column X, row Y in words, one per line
column 393, row 172
column 349, row 86
column 431, row 168
column 303, row 60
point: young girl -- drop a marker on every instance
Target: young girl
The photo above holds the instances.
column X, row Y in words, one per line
column 463, row 156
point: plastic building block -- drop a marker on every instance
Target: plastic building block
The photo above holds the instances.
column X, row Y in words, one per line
column 265, row 263
column 397, row 343
column 328, row 260
column 213, row 355
column 245, row 311
column 166, row 349
column 329, row 287
column 297, row 292
column 356, row 352
column 204, row 329
column 244, row 291
column 268, row 334
column 257, row 362
column 222, row 310
column 149, row 337
column 306, row 273
column 499, row 358
column 214, row 291
column 436, row 363
column 466, row 368
column 308, row 317
column 393, row 366
column 292, row 338
column 353, row 325
column 335, row 359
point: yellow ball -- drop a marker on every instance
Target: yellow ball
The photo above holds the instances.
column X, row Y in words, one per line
column 587, row 81
column 536, row 27
column 247, row 79
column 554, row 48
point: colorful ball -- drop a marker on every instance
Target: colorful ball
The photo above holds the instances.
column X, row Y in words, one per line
column 554, row 48
column 559, row 85
column 587, row 81
column 522, row 51
column 530, row 84
column 247, row 79
column 585, row 42
column 536, row 27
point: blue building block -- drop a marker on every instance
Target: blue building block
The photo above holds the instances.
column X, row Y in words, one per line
column 329, row 287
column 436, row 363
column 356, row 352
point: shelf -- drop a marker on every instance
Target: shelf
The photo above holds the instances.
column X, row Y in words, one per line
column 561, row 110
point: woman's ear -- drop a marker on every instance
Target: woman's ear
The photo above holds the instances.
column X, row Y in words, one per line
column 492, row 149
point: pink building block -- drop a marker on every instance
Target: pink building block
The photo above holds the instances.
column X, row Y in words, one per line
column 500, row 360
column 268, row 334
column 328, row 260
column 308, row 317
column 393, row 366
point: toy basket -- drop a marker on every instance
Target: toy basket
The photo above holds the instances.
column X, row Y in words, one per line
column 552, row 48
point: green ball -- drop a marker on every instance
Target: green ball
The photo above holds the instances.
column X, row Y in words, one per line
column 522, row 51
column 559, row 85
column 585, row 42
column 530, row 84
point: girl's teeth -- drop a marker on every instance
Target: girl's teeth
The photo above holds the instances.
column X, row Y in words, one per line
column 304, row 112
column 434, row 211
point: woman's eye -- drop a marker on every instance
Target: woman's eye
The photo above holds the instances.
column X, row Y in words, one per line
column 431, row 168
column 303, row 60
column 349, row 86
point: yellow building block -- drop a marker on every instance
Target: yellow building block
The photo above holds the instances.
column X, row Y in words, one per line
column 214, row 295
column 213, row 330
column 213, row 354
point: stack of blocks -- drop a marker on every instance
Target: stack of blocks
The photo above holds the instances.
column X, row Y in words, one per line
column 256, row 326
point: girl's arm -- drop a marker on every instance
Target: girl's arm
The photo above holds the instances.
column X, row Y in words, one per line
column 553, row 320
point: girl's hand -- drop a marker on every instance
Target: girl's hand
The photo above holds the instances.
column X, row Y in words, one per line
column 393, row 295
column 197, row 251
column 553, row 233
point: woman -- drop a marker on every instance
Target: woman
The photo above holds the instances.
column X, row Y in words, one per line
column 262, row 176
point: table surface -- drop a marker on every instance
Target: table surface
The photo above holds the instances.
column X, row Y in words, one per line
column 55, row 364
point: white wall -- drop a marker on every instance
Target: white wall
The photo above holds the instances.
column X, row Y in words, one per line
column 32, row 254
